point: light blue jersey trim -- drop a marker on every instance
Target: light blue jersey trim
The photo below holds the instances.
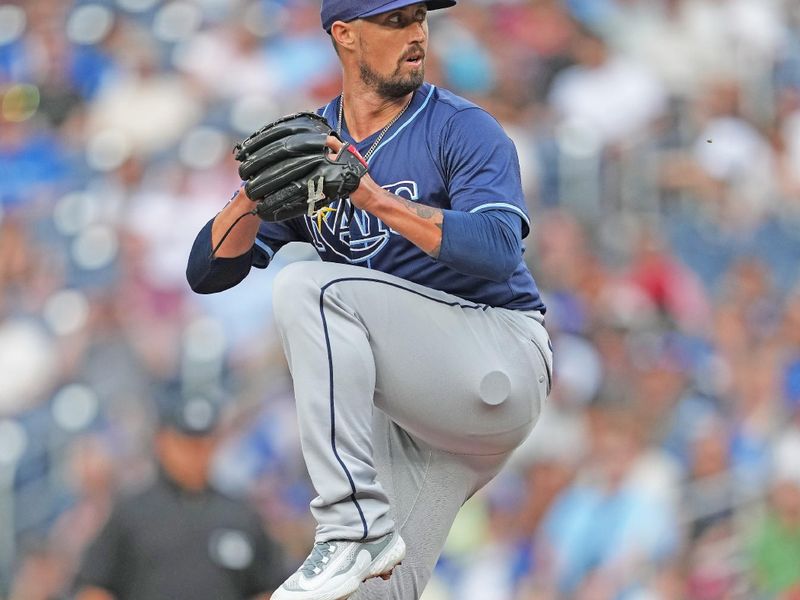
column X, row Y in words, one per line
column 503, row 206
column 406, row 124
column 327, row 106
column 270, row 252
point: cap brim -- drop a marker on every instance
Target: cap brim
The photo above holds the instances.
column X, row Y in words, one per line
column 432, row 5
column 190, row 433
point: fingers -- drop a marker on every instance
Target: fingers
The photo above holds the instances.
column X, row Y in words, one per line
column 335, row 144
column 298, row 123
column 302, row 144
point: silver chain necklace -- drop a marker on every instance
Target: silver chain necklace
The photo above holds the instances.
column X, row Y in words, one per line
column 377, row 141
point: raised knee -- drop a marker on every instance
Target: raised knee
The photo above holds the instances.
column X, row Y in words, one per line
column 295, row 291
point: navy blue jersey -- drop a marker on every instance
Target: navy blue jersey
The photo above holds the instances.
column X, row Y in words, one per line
column 444, row 152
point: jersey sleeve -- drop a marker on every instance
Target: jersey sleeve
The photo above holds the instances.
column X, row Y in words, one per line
column 481, row 166
column 486, row 244
column 272, row 237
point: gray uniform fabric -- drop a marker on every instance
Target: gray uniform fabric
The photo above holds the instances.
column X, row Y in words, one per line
column 408, row 399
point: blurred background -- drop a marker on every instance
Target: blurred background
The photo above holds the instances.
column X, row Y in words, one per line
column 660, row 148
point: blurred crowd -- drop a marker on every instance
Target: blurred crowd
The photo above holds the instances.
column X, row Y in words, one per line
column 660, row 148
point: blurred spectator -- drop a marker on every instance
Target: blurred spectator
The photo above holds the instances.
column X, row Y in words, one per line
column 28, row 364
column 48, row 564
column 788, row 144
column 776, row 542
column 224, row 61
column 91, row 464
column 165, row 105
column 712, row 495
column 179, row 538
column 31, row 159
column 730, row 165
column 689, row 42
column 606, row 98
column 674, row 290
column 604, row 526
column 41, row 574
column 712, row 571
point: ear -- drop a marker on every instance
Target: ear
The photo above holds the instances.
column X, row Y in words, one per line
column 344, row 34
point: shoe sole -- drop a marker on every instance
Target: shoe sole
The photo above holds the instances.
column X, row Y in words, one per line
column 385, row 576
column 383, row 566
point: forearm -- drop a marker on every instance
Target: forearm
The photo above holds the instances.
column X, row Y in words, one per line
column 209, row 273
column 418, row 223
column 241, row 238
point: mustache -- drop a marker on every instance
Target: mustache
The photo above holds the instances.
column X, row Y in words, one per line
column 416, row 50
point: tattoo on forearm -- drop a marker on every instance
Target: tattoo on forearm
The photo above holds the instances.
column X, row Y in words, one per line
column 421, row 210
column 426, row 212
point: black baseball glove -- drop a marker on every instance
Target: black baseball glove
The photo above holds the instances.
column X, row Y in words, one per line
column 289, row 171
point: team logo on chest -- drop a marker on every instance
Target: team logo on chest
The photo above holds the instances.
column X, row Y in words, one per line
column 354, row 234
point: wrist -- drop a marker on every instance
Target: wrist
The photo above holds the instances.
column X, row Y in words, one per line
column 367, row 196
column 242, row 200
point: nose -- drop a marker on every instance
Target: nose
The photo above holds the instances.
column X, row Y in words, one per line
column 418, row 33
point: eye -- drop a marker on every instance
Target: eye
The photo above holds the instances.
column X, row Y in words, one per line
column 421, row 14
column 395, row 19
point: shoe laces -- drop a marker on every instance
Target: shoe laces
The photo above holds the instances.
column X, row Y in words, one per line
column 318, row 559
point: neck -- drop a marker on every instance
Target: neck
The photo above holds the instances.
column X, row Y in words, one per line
column 191, row 481
column 365, row 112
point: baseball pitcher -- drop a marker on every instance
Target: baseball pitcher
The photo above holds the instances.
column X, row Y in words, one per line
column 417, row 346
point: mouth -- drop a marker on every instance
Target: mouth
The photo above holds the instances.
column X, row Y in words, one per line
column 415, row 59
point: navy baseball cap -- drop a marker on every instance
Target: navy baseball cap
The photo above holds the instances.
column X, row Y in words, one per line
column 196, row 415
column 349, row 10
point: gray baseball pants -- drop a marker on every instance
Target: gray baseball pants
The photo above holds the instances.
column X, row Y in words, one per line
column 409, row 400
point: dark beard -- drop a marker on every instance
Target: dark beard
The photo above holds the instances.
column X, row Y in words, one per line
column 395, row 86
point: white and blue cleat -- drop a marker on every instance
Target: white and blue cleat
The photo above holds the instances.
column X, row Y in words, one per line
column 335, row 569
